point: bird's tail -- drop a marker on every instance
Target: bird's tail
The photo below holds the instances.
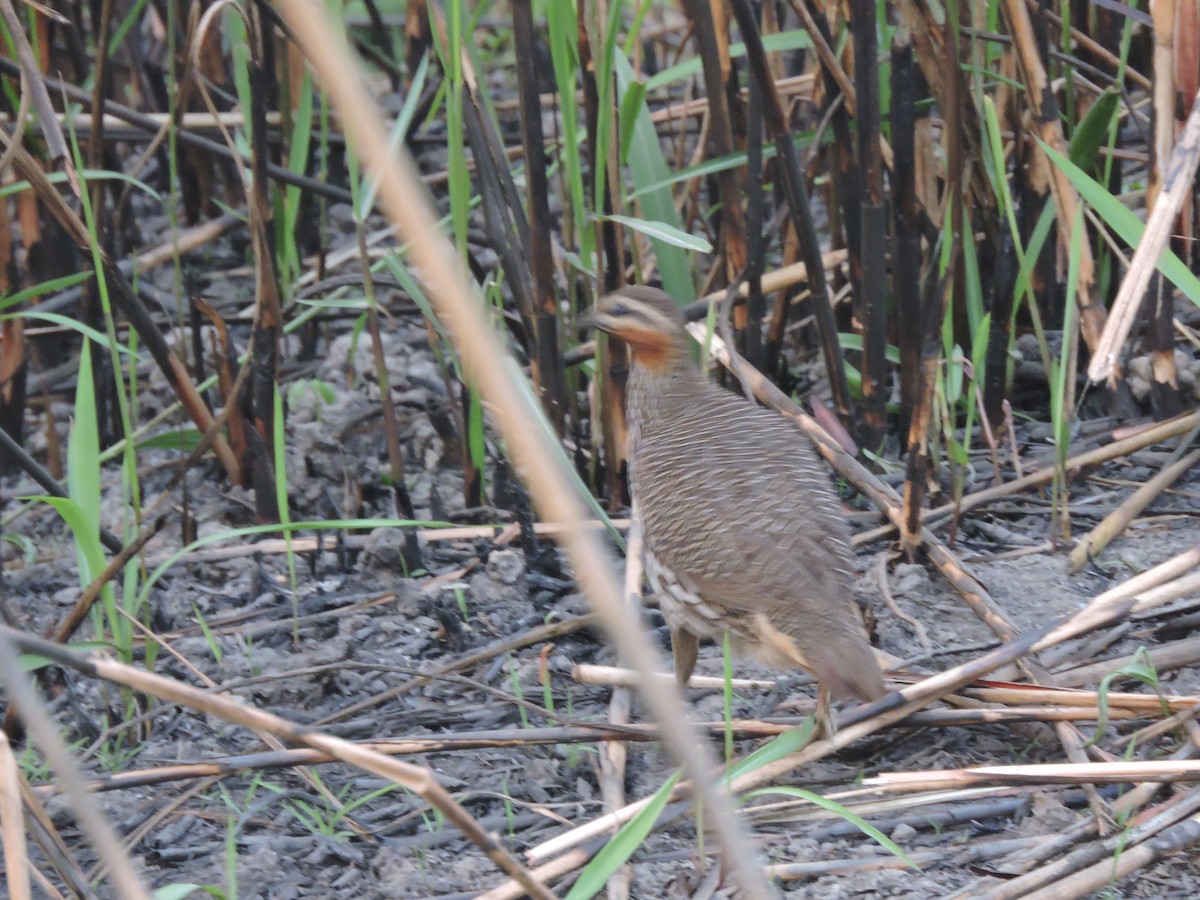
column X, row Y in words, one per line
column 845, row 664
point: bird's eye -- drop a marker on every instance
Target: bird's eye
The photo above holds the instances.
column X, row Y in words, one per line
column 618, row 309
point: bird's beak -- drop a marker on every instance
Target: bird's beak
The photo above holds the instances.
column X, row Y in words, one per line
column 594, row 320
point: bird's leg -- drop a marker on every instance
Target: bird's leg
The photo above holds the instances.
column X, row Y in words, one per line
column 826, row 728
column 685, row 647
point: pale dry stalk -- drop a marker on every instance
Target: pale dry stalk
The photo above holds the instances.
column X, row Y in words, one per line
column 404, row 199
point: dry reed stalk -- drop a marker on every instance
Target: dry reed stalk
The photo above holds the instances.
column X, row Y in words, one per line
column 1150, row 590
column 586, row 673
column 710, row 31
column 41, row 829
column 825, row 54
column 1165, row 399
column 1171, row 813
column 402, row 196
column 867, row 802
column 1108, row 871
column 1123, row 806
column 777, row 279
column 795, row 86
column 1042, row 104
column 1163, row 657
column 1177, row 185
column 861, row 722
column 551, row 871
column 598, row 732
column 968, row 855
column 1020, row 695
column 1171, row 771
column 1155, row 730
column 953, row 718
column 1122, row 447
column 41, row 725
column 417, row 779
column 12, row 824
column 83, row 123
column 1118, row 520
column 91, row 593
column 613, row 753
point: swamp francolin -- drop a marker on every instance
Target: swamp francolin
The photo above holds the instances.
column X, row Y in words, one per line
column 743, row 531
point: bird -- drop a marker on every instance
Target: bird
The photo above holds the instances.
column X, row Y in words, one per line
column 743, row 533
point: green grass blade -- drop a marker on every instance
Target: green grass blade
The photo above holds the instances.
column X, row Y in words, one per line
column 74, row 324
column 83, row 471
column 623, row 845
column 792, row 741
column 652, row 180
column 665, row 233
column 1092, row 131
column 50, row 286
column 403, row 121
column 298, row 147
column 535, row 413
column 796, row 39
column 1127, row 225
column 837, row 809
column 87, row 175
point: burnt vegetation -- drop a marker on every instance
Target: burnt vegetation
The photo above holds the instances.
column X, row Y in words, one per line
column 301, row 412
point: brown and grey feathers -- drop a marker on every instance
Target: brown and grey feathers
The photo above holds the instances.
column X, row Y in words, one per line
column 737, row 507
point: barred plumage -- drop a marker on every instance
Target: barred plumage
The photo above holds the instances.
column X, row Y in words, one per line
column 743, row 531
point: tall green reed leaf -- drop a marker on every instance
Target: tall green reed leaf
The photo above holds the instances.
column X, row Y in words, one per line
column 648, row 167
column 298, row 149
column 1128, row 226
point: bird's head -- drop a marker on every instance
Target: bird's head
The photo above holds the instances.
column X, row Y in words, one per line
column 646, row 319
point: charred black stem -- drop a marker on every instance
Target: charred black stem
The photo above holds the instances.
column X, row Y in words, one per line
column 873, row 240
column 906, row 235
column 793, row 183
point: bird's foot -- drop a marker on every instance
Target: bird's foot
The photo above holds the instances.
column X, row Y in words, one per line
column 823, row 714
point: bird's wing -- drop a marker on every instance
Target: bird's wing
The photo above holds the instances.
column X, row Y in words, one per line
column 752, row 540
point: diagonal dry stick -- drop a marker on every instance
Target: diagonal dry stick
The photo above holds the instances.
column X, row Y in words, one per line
column 1157, row 433
column 1172, row 771
column 882, row 495
column 1108, row 871
column 1185, row 805
column 1091, row 545
column 1112, row 606
column 613, row 753
column 12, row 824
column 859, row 723
column 417, row 779
column 41, row 725
column 1177, row 186
column 1151, row 592
column 540, row 463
